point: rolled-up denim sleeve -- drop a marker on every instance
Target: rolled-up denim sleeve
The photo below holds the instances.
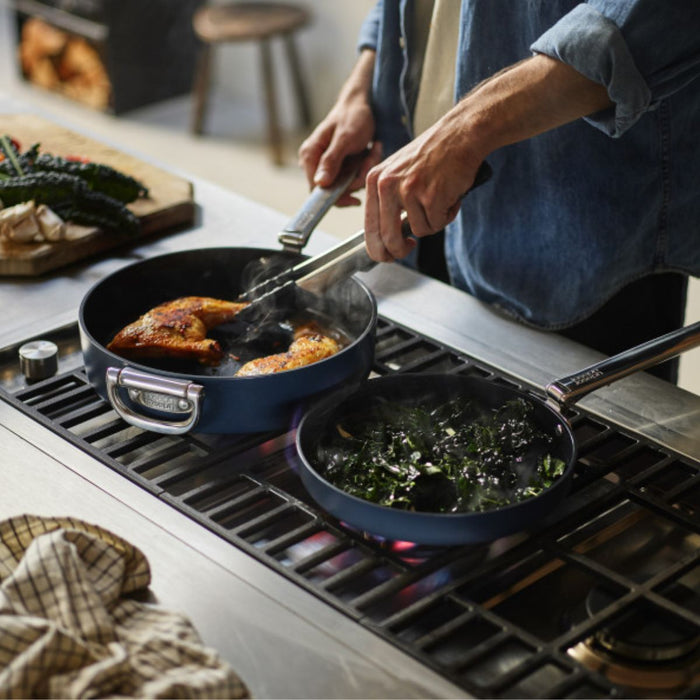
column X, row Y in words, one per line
column 640, row 50
column 369, row 31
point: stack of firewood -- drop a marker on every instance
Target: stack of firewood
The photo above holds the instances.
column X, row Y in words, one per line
column 69, row 64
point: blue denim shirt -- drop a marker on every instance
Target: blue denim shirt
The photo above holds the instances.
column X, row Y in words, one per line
column 573, row 215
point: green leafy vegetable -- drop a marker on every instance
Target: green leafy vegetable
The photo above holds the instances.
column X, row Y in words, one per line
column 98, row 176
column 93, row 194
column 448, row 458
column 70, row 198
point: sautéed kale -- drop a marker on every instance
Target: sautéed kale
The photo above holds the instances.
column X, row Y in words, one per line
column 449, row 458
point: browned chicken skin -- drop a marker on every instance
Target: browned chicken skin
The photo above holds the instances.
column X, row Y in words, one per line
column 309, row 345
column 177, row 329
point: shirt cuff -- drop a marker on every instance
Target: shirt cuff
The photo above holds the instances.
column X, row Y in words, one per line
column 369, row 31
column 593, row 45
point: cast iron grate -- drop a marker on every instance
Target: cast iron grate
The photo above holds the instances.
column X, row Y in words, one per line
column 510, row 619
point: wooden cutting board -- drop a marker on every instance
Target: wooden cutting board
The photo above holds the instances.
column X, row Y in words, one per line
column 170, row 202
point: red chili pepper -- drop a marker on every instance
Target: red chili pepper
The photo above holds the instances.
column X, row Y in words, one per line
column 15, row 145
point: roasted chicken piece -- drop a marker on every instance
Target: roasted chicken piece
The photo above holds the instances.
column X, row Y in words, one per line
column 309, row 345
column 177, row 329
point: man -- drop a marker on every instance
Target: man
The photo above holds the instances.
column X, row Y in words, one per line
column 587, row 114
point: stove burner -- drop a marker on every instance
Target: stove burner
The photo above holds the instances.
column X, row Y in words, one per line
column 643, row 635
column 645, row 680
column 645, row 649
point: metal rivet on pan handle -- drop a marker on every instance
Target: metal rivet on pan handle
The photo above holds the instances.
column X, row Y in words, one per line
column 154, row 392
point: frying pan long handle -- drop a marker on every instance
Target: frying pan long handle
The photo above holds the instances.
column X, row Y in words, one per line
column 295, row 234
column 569, row 389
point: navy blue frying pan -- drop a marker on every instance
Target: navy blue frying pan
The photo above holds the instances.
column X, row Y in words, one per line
column 174, row 397
column 469, row 527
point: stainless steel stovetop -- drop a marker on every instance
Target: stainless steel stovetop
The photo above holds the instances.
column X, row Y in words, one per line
column 600, row 600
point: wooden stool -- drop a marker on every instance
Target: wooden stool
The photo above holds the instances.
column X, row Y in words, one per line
column 245, row 21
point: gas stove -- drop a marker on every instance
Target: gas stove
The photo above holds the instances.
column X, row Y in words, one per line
column 602, row 599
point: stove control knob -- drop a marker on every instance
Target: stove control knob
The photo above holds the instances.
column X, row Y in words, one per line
column 38, row 359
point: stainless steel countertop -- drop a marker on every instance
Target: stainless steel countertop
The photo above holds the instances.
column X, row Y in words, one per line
column 282, row 641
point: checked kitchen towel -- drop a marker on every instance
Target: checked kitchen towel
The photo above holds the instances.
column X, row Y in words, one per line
column 68, row 628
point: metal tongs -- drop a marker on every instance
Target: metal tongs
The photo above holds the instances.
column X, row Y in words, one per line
column 321, row 272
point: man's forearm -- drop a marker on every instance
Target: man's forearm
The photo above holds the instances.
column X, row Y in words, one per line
column 529, row 98
column 359, row 82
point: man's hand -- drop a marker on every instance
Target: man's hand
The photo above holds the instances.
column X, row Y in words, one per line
column 428, row 177
column 347, row 129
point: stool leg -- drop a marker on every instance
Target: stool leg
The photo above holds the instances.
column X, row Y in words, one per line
column 273, row 130
column 297, row 78
column 201, row 88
